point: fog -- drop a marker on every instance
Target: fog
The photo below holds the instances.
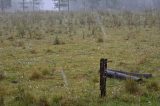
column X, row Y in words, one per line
column 76, row 5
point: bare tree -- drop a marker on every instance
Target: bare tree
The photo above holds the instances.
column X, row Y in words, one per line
column 4, row 4
column 56, row 4
column 84, row 4
column 22, row 4
column 61, row 4
column 68, row 2
column 36, row 4
column 33, row 4
column 94, row 4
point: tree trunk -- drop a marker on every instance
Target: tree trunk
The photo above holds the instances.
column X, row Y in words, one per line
column 59, row 5
column 68, row 5
column 33, row 5
column 23, row 5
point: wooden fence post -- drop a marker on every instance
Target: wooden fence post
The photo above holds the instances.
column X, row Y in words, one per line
column 103, row 67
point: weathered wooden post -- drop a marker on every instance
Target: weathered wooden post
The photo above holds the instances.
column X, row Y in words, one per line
column 103, row 67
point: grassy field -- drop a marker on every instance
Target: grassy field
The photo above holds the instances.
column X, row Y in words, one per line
column 52, row 59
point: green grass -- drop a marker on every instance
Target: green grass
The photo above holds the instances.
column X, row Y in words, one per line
column 38, row 53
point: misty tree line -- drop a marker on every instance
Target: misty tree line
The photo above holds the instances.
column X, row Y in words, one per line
column 34, row 4
column 106, row 4
column 57, row 4
column 24, row 4
column 5, row 4
column 84, row 4
column 73, row 5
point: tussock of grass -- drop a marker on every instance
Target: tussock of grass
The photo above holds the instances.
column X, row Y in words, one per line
column 11, row 38
column 24, row 97
column 46, row 72
column 19, row 44
column 2, row 91
column 43, row 102
column 153, row 86
column 33, row 51
column 58, row 41
column 2, row 75
column 49, row 51
column 2, row 96
column 35, row 75
column 2, row 101
column 100, row 40
column 131, row 87
column 95, row 79
column 56, row 100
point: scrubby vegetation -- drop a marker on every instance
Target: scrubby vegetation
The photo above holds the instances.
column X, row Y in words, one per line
column 35, row 47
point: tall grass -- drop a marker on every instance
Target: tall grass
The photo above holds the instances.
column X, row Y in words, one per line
column 30, row 40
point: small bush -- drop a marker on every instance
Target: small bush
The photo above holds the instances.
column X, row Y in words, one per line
column 35, row 75
column 153, row 86
column 56, row 41
column 100, row 40
column 131, row 87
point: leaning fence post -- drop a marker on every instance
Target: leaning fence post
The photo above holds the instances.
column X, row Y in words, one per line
column 103, row 67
